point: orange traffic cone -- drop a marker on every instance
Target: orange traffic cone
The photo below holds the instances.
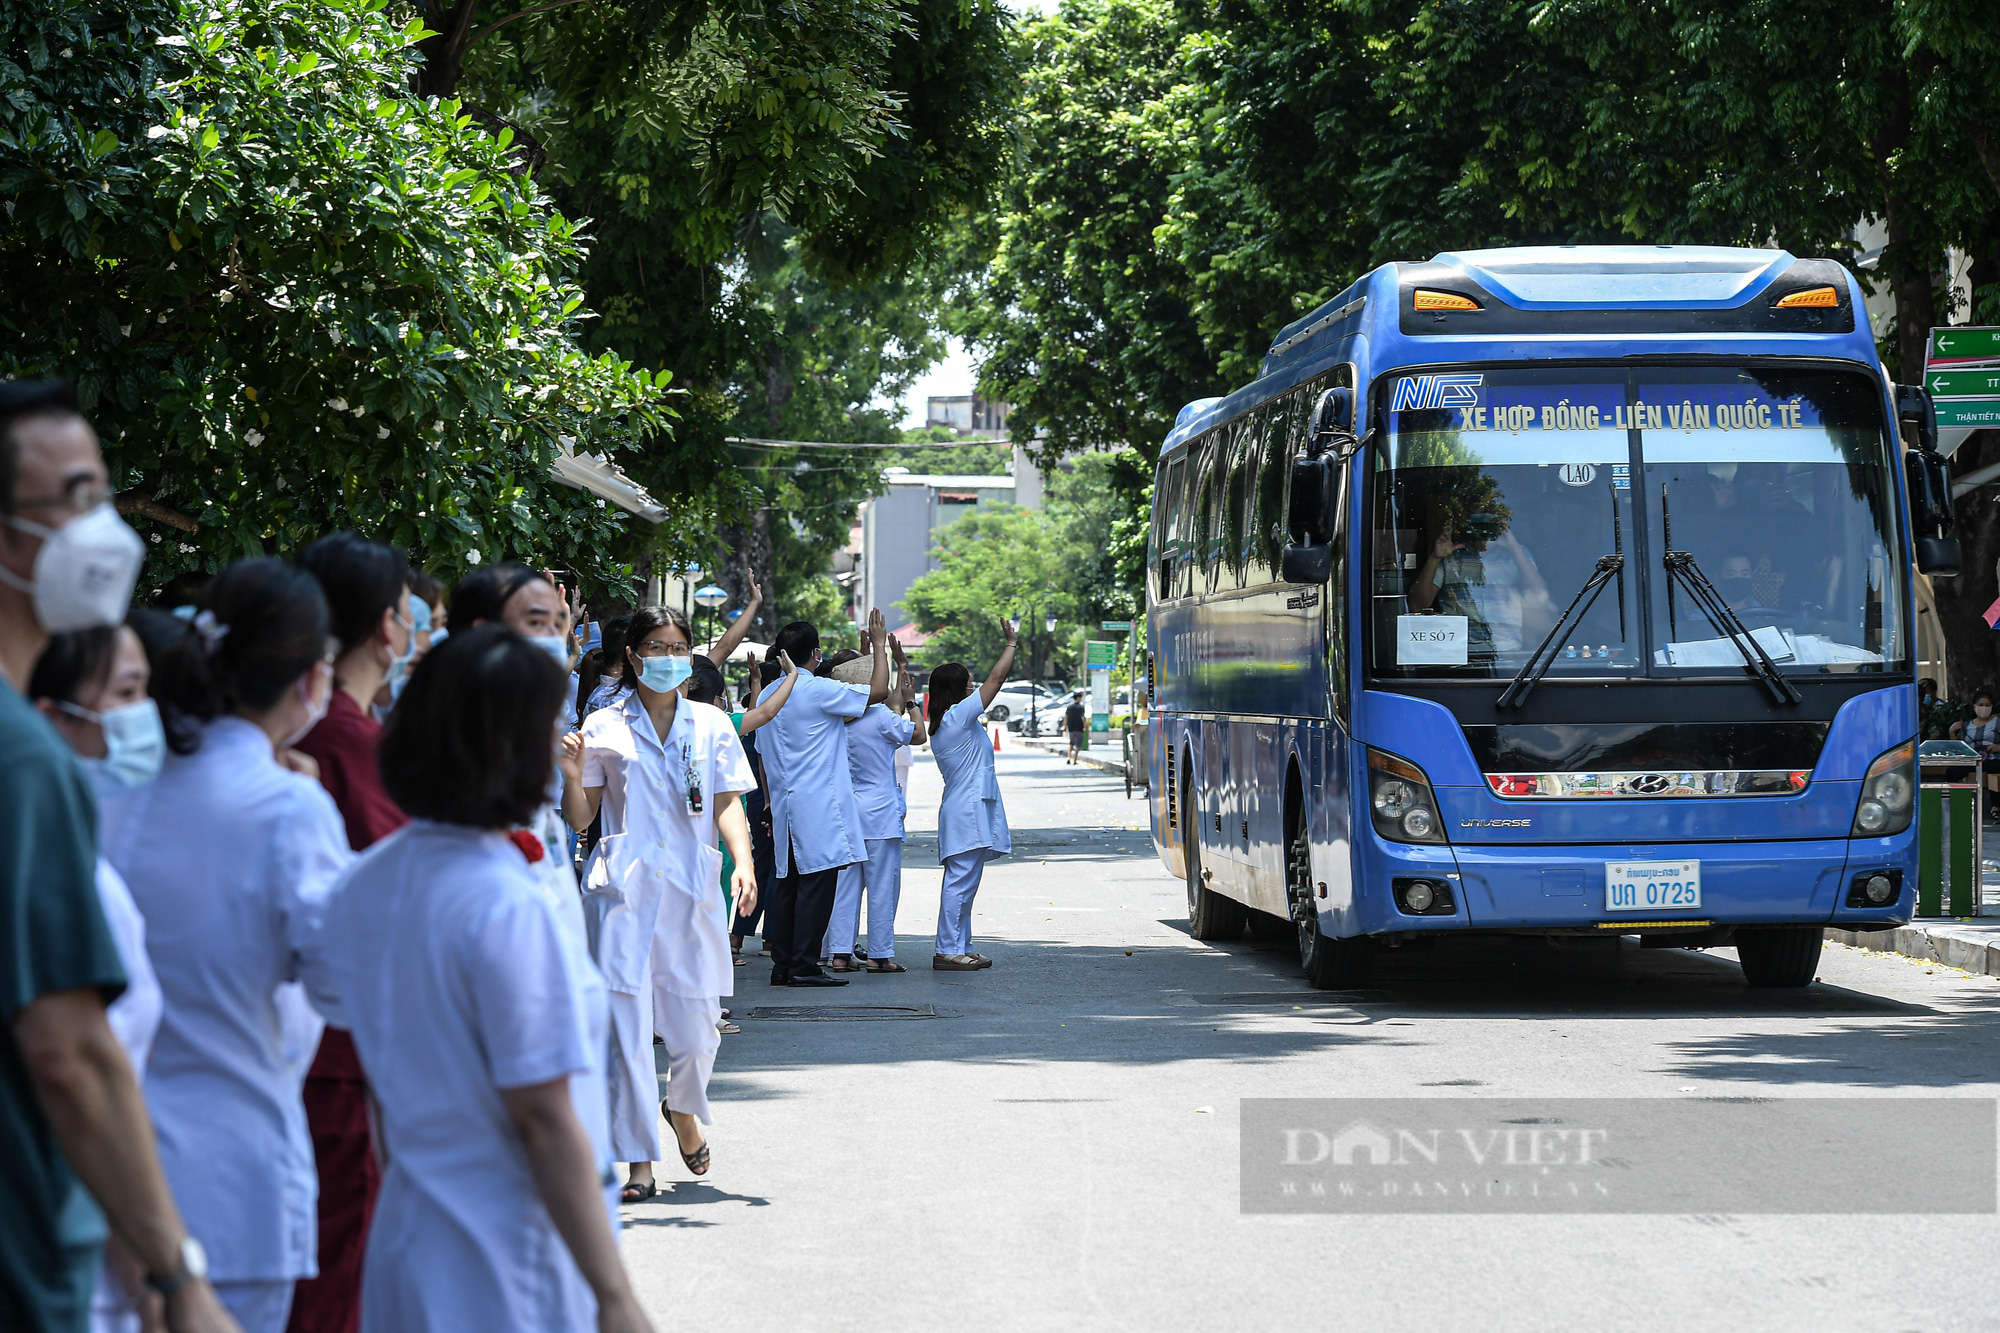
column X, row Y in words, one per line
column 996, row 740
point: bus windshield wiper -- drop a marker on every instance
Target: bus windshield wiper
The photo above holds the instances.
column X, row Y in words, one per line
column 1517, row 692
column 1681, row 568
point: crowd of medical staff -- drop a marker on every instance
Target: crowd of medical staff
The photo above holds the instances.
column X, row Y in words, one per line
column 340, row 916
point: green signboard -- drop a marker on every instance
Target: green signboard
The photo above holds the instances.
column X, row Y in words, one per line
column 1964, row 345
column 1982, row 382
column 1969, row 412
column 1100, row 653
column 1122, row 626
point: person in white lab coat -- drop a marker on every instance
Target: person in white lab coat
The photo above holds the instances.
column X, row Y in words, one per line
column 230, row 857
column 666, row 777
column 480, row 1019
column 873, row 741
column 91, row 686
column 972, row 823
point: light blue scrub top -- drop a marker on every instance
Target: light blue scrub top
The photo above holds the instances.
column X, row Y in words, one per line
column 971, row 817
column 804, row 749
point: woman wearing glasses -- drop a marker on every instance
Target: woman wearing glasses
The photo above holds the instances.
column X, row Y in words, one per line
column 666, row 779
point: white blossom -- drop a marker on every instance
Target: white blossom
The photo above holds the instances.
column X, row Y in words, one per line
column 253, row 438
column 337, row 404
column 157, row 131
column 124, row 330
column 471, row 557
column 224, row 297
column 381, row 432
column 360, row 411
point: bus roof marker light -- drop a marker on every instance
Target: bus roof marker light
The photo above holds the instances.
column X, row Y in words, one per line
column 1427, row 299
column 1816, row 298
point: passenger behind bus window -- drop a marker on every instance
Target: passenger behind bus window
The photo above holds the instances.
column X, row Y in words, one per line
column 1491, row 580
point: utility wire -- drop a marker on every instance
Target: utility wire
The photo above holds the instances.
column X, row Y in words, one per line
column 755, row 443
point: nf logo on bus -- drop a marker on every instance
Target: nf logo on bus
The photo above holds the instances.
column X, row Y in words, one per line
column 1420, row 392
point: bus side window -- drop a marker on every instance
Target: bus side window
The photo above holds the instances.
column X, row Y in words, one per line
column 1163, row 529
column 1273, row 487
column 1236, row 495
column 1202, row 536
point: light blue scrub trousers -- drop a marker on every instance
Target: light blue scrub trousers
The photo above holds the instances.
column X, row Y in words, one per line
column 882, row 876
column 962, row 874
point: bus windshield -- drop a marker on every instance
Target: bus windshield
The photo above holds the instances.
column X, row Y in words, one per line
column 1496, row 492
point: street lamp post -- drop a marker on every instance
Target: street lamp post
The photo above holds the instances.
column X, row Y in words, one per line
column 709, row 598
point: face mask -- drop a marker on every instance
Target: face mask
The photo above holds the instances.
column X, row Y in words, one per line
column 135, row 743
column 399, row 665
column 665, row 674
column 555, row 645
column 315, row 709
column 438, row 636
column 84, row 572
column 420, row 615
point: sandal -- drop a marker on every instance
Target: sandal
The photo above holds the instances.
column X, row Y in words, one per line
column 954, row 962
column 639, row 1193
column 981, row 959
column 843, row 962
column 696, row 1161
column 727, row 1028
column 884, row 965
column 739, row 960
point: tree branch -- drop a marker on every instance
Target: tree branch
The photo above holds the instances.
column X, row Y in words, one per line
column 1989, row 156
column 132, row 502
column 538, row 9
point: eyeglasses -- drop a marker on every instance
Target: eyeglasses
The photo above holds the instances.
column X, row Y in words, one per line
column 662, row 650
column 82, row 496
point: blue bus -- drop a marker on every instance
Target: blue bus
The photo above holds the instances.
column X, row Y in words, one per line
column 1551, row 591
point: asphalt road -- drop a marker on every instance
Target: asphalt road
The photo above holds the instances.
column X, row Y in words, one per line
column 1058, row 1147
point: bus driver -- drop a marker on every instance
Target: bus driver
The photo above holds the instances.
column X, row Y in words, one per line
column 1490, row 579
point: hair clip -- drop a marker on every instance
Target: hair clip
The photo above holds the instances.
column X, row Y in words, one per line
column 212, row 631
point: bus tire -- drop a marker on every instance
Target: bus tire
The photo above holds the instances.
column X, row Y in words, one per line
column 1210, row 915
column 1328, row 963
column 1780, row 955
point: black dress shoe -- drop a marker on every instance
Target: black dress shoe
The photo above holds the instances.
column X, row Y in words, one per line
column 781, row 979
column 820, row 979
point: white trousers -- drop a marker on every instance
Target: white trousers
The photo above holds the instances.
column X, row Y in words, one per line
column 881, row 875
column 634, row 1081
column 258, row 1307
column 961, row 884
column 687, row 1028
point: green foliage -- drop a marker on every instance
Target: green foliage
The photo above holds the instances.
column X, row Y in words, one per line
column 993, row 564
column 293, row 299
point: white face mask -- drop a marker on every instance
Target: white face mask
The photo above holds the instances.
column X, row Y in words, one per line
column 84, row 572
column 135, row 743
column 555, row 645
column 315, row 707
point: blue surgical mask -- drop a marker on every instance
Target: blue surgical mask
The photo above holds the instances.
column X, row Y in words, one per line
column 135, row 744
column 399, row 665
column 555, row 645
column 420, row 615
column 665, row 674
column 438, row 636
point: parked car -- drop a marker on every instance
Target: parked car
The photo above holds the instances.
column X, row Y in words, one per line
column 1019, row 699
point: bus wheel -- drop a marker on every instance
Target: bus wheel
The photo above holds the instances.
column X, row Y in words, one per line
column 1329, row 964
column 1210, row 915
column 1780, row 955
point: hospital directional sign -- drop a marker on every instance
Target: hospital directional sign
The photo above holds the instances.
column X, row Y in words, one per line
column 1962, row 372
column 1974, row 345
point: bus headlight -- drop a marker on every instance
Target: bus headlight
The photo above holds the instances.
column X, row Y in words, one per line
column 1888, row 793
column 1400, row 800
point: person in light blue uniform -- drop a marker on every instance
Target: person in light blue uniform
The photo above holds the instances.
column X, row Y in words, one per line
column 972, row 823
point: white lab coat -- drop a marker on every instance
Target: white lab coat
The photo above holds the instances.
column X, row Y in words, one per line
column 805, row 761
column 134, row 1018
column 230, row 858
column 873, row 742
column 654, row 890
column 970, row 816
column 445, row 959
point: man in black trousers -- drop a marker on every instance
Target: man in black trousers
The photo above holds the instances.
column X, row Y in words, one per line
column 815, row 825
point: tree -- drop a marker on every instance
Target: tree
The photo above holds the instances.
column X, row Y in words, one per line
column 292, row 300
column 993, row 564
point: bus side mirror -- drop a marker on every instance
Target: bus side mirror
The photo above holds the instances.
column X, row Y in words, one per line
column 1311, row 510
column 1307, row 564
column 1929, row 484
column 1333, row 412
column 1914, row 405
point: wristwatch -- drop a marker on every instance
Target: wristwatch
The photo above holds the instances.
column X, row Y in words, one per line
column 193, row 1268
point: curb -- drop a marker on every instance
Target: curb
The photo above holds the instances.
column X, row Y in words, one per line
column 1057, row 747
column 1969, row 949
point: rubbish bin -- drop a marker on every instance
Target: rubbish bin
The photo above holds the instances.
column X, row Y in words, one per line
column 1949, row 823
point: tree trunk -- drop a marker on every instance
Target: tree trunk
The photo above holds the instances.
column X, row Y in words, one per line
column 746, row 554
column 1972, row 651
column 444, row 53
column 1910, row 264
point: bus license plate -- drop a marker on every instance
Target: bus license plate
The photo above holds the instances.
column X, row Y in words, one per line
column 1652, row 886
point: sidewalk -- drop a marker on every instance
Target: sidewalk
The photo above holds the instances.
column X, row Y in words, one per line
column 1104, row 757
